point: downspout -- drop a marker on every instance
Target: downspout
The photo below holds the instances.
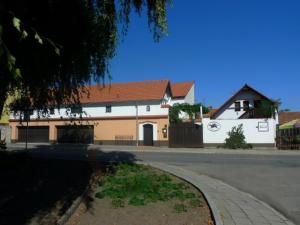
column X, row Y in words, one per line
column 137, row 124
column 201, row 112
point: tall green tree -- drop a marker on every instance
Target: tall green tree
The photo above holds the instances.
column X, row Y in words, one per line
column 49, row 49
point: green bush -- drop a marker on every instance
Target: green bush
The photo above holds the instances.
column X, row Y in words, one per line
column 236, row 139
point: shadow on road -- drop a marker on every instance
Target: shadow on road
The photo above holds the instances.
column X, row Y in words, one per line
column 39, row 185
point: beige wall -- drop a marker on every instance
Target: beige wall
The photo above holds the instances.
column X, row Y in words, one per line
column 104, row 129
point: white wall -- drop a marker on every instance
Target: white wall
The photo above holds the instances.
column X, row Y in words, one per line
column 124, row 109
column 121, row 109
column 177, row 100
column 250, row 127
column 5, row 133
column 230, row 113
column 190, row 97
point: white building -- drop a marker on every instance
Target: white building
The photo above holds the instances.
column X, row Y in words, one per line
column 117, row 113
column 242, row 108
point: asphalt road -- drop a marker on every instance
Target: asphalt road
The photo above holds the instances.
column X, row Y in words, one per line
column 274, row 179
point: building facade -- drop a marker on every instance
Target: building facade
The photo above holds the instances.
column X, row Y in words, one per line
column 134, row 113
column 244, row 107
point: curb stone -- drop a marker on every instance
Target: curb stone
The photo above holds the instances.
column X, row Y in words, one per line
column 214, row 210
column 211, row 195
column 70, row 211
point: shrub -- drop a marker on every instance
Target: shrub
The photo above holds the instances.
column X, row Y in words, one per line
column 236, row 139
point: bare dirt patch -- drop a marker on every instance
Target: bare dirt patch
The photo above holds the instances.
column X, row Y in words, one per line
column 183, row 209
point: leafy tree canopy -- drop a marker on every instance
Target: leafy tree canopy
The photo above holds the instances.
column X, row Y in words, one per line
column 191, row 110
column 51, row 48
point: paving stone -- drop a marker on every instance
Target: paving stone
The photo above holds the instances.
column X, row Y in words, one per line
column 232, row 207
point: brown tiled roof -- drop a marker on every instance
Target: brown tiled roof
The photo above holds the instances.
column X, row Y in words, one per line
column 210, row 113
column 181, row 89
column 288, row 116
column 123, row 92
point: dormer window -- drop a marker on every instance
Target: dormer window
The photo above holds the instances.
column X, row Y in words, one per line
column 237, row 106
column 52, row 111
column 246, row 105
column 108, row 109
column 76, row 109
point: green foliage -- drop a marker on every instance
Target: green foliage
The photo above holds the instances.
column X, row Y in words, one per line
column 139, row 185
column 268, row 109
column 236, row 139
column 191, row 110
column 50, row 49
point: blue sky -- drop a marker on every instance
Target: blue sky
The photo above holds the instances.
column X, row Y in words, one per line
column 221, row 45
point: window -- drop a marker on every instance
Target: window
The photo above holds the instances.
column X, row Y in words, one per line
column 237, row 106
column 108, row 109
column 51, row 111
column 76, row 109
column 246, row 105
column 148, row 108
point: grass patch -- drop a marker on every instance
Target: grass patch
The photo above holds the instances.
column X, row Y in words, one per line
column 139, row 185
column 180, row 208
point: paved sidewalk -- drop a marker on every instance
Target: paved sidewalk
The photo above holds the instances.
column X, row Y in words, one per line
column 229, row 205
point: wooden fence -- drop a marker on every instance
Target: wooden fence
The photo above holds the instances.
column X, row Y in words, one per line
column 124, row 140
column 288, row 139
column 188, row 135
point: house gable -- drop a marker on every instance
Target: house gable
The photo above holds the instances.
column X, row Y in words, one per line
column 245, row 96
column 183, row 92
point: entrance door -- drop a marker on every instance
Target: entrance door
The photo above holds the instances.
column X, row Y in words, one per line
column 148, row 134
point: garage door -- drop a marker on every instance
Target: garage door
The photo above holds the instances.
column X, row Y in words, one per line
column 75, row 134
column 35, row 134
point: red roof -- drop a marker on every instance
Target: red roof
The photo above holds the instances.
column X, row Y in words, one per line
column 285, row 117
column 181, row 89
column 123, row 92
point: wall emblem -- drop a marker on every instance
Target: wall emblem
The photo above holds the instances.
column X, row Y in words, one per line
column 213, row 126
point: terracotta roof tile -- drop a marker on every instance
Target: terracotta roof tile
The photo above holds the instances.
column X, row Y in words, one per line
column 288, row 116
column 181, row 89
column 210, row 113
column 122, row 92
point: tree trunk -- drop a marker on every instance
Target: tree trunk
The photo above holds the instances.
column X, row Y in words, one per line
column 3, row 96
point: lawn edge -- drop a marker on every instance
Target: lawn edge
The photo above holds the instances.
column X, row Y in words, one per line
column 172, row 170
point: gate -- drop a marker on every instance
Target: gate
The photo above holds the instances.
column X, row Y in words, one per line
column 288, row 139
column 75, row 134
column 187, row 135
column 34, row 134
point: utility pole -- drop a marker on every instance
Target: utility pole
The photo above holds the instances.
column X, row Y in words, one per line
column 137, row 124
column 26, row 134
column 26, row 118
